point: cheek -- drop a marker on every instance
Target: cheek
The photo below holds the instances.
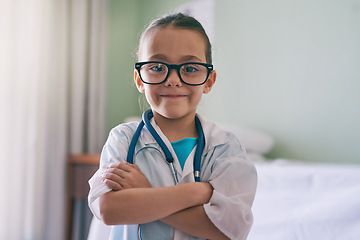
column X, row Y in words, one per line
column 197, row 95
column 147, row 96
column 150, row 93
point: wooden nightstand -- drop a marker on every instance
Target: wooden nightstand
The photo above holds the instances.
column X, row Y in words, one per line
column 80, row 169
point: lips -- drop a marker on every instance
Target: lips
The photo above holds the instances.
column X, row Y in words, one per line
column 173, row 95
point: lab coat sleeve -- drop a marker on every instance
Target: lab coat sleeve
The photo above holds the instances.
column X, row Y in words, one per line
column 114, row 151
column 234, row 180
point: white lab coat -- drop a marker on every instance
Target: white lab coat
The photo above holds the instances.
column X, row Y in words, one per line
column 224, row 165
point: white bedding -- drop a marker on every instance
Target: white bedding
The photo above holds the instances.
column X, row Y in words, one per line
column 299, row 201
column 306, row 201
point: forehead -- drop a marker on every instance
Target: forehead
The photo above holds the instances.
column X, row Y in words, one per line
column 173, row 45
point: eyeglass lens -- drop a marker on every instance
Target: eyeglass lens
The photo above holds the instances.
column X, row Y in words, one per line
column 191, row 73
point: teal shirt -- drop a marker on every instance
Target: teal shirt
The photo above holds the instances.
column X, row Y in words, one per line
column 183, row 149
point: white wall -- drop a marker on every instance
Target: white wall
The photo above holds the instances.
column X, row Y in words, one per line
column 126, row 21
column 291, row 69
column 286, row 67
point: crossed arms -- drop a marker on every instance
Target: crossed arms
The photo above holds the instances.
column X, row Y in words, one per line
column 180, row 206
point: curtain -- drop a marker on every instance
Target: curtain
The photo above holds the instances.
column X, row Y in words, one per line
column 52, row 87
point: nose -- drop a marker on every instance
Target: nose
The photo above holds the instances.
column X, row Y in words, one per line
column 173, row 79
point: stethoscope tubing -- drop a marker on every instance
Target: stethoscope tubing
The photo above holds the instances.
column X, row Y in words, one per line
column 147, row 115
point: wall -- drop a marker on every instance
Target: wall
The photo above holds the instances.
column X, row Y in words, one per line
column 288, row 68
column 291, row 69
column 123, row 33
column 127, row 19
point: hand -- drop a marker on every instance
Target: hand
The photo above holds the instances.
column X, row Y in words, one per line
column 123, row 176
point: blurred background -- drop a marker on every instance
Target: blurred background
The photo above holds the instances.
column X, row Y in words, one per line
column 289, row 69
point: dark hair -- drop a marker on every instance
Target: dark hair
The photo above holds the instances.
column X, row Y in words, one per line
column 179, row 20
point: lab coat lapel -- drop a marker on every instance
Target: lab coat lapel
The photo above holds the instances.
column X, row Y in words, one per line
column 214, row 135
column 211, row 131
column 169, row 146
column 186, row 174
column 188, row 171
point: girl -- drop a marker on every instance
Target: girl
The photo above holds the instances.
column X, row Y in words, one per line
column 158, row 197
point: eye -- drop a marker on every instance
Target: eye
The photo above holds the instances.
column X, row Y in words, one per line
column 190, row 68
column 157, row 68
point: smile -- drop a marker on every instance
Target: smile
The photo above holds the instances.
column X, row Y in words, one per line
column 173, row 96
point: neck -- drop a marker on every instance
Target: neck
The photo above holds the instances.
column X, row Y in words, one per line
column 177, row 129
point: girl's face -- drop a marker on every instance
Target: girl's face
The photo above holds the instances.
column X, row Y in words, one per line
column 173, row 99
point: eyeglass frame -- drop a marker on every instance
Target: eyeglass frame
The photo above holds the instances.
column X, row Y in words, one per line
column 177, row 67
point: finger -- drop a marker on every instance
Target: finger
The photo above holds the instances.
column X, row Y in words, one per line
column 117, row 178
column 120, row 172
column 136, row 167
column 116, row 165
column 127, row 167
column 113, row 185
column 112, row 176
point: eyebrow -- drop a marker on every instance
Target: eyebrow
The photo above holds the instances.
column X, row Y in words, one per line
column 162, row 57
column 190, row 58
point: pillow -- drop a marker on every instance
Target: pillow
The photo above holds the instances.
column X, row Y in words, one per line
column 254, row 141
column 256, row 157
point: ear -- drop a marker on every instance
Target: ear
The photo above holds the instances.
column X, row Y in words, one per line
column 210, row 82
column 138, row 82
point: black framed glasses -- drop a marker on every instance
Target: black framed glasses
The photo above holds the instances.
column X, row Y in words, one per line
column 190, row 73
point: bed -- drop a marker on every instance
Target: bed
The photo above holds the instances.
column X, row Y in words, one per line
column 299, row 200
column 295, row 200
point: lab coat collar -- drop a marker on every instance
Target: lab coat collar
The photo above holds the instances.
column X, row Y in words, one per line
column 214, row 135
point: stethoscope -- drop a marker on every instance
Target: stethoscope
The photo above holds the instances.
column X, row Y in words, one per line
column 147, row 115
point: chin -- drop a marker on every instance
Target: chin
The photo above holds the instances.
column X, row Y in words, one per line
column 174, row 114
